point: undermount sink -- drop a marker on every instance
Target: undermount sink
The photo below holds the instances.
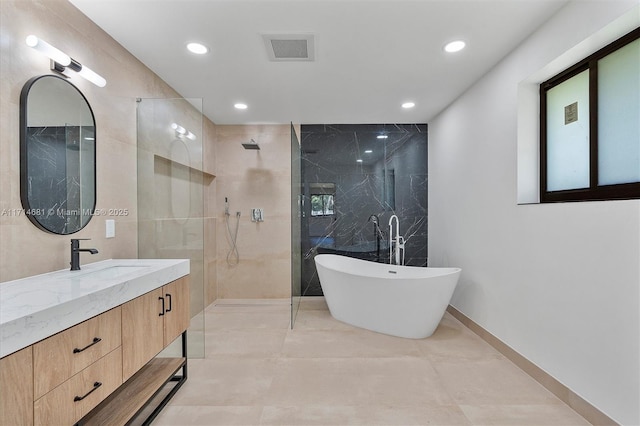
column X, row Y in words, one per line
column 109, row 272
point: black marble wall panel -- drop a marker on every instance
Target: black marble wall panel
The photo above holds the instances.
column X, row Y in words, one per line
column 378, row 170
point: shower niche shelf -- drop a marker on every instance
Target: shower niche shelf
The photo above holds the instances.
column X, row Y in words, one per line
column 159, row 161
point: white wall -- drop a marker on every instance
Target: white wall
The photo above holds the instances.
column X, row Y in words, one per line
column 559, row 283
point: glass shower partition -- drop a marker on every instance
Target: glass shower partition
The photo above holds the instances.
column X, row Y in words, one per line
column 171, row 186
column 296, row 217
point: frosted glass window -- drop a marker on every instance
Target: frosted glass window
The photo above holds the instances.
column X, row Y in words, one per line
column 590, row 127
column 619, row 116
column 568, row 134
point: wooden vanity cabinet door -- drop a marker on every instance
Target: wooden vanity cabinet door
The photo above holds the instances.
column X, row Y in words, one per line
column 178, row 300
column 142, row 331
column 62, row 355
column 73, row 399
column 16, row 388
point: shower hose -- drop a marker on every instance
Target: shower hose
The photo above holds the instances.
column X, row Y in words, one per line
column 233, row 257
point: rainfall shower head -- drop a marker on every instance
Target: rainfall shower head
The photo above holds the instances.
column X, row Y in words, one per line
column 251, row 145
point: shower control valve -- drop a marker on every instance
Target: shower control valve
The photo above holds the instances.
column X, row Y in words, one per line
column 257, row 215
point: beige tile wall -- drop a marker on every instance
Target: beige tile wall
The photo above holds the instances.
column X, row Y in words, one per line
column 249, row 178
column 24, row 249
column 253, row 179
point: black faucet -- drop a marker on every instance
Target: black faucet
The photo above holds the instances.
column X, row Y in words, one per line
column 75, row 253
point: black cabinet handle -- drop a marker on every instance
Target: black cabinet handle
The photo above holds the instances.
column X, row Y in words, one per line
column 95, row 340
column 169, row 297
column 163, row 311
column 96, row 385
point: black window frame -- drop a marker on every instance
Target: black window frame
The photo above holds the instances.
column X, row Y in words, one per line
column 594, row 192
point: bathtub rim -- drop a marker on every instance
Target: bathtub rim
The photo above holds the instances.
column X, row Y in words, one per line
column 440, row 271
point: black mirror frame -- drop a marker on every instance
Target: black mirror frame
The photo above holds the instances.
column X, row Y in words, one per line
column 24, row 192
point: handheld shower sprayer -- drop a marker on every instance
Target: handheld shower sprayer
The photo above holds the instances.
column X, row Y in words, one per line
column 233, row 256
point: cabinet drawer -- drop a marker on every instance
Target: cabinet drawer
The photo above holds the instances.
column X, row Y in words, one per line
column 60, row 356
column 73, row 399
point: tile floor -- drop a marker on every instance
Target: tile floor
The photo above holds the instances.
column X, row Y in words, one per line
column 257, row 371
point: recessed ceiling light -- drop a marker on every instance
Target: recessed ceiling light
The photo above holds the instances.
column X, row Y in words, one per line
column 240, row 106
column 454, row 46
column 359, row 160
column 368, row 151
column 197, row 48
column 408, row 105
column 382, row 136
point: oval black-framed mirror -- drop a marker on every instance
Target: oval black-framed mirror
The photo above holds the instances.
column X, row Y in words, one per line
column 57, row 155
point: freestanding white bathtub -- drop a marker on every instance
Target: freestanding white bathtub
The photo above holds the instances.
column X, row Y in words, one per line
column 403, row 301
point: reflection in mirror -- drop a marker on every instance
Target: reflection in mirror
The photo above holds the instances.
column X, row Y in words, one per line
column 57, row 155
column 322, row 198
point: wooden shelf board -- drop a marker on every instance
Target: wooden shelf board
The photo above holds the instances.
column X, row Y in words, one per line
column 124, row 403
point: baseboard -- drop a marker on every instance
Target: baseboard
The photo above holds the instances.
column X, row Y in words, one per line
column 566, row 395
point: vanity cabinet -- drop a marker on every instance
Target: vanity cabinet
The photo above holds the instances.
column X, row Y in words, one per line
column 16, row 388
column 100, row 371
column 151, row 322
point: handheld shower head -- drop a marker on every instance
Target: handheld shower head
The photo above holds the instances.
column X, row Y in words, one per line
column 251, row 145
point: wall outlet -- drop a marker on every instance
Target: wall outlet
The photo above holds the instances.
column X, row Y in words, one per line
column 110, row 228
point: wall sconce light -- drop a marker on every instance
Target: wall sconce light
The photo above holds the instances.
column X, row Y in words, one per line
column 182, row 131
column 60, row 61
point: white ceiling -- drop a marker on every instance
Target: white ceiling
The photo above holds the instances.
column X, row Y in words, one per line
column 371, row 56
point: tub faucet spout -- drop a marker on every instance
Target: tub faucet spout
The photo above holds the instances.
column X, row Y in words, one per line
column 75, row 253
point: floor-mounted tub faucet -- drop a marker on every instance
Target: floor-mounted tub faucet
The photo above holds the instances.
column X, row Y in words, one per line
column 75, row 252
column 396, row 242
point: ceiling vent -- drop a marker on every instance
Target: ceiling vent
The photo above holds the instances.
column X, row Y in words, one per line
column 290, row 47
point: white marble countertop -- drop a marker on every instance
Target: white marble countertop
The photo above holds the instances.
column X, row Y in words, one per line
column 34, row 308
